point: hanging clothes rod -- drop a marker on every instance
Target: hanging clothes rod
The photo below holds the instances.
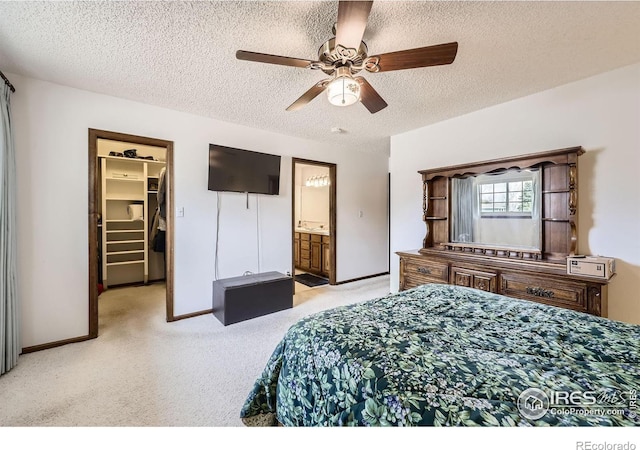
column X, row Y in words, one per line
column 7, row 82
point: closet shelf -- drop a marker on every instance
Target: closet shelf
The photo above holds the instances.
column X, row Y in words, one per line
column 122, row 220
column 138, row 180
column 126, row 242
column 126, row 231
column 126, row 198
column 125, row 252
column 138, row 160
column 124, row 263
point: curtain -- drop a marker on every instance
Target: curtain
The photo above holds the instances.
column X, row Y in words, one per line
column 462, row 206
column 536, row 212
column 9, row 330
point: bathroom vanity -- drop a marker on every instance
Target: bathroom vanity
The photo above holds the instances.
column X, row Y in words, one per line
column 311, row 251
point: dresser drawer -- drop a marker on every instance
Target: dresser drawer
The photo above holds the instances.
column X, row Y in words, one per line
column 432, row 271
column 411, row 282
column 326, row 239
column 316, row 238
column 418, row 271
column 484, row 281
column 305, row 245
column 565, row 294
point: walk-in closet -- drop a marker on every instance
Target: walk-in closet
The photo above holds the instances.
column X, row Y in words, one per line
column 131, row 221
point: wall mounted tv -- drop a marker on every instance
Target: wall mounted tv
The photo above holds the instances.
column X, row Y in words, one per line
column 237, row 170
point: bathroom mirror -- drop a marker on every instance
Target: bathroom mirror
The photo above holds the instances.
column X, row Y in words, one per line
column 312, row 194
column 497, row 209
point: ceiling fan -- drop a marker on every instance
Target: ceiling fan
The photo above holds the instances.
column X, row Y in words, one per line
column 344, row 55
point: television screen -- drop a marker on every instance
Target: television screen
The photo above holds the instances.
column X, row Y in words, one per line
column 237, row 170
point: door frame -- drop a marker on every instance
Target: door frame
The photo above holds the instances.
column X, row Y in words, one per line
column 94, row 209
column 332, row 214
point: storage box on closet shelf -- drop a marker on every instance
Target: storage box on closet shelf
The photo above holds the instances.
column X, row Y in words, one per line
column 135, row 212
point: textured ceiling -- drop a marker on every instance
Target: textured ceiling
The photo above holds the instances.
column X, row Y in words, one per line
column 181, row 55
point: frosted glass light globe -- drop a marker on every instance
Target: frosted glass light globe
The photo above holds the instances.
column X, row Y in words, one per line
column 343, row 91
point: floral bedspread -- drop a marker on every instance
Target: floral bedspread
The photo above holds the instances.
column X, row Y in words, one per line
column 446, row 355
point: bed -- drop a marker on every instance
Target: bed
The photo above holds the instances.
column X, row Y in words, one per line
column 446, row 355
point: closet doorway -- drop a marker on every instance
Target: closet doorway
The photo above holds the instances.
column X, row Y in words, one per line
column 314, row 223
column 130, row 215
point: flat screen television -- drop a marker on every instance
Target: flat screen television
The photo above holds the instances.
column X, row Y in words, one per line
column 236, row 170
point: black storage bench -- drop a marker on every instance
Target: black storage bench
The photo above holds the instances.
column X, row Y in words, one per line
column 242, row 298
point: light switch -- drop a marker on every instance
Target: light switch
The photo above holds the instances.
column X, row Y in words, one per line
column 181, row 211
column 360, row 214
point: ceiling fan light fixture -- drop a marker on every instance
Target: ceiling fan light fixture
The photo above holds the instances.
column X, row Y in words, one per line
column 346, row 54
column 343, row 90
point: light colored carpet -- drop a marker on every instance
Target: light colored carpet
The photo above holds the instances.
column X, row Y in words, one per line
column 143, row 371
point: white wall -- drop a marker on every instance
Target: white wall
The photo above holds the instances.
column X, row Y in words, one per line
column 601, row 113
column 50, row 124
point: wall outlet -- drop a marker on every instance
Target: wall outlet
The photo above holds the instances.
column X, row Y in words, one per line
column 181, row 211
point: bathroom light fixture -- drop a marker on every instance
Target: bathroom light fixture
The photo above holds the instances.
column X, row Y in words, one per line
column 317, row 181
column 343, row 90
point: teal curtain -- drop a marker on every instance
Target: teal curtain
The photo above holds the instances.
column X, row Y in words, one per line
column 9, row 329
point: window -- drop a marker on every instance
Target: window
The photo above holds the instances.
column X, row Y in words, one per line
column 506, row 198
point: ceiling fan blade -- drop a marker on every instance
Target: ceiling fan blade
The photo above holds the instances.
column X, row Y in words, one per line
column 369, row 97
column 435, row 55
column 352, row 21
column 272, row 59
column 312, row 93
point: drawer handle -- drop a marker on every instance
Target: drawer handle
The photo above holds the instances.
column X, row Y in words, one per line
column 540, row 292
column 423, row 270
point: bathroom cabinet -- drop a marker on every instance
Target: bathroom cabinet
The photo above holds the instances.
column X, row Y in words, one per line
column 311, row 252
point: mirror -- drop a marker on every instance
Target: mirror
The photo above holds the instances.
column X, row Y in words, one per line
column 312, row 192
column 499, row 209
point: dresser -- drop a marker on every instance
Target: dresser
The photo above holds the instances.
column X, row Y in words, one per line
column 505, row 226
column 546, row 283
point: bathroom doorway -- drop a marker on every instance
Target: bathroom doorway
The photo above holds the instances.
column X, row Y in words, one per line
column 314, row 233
